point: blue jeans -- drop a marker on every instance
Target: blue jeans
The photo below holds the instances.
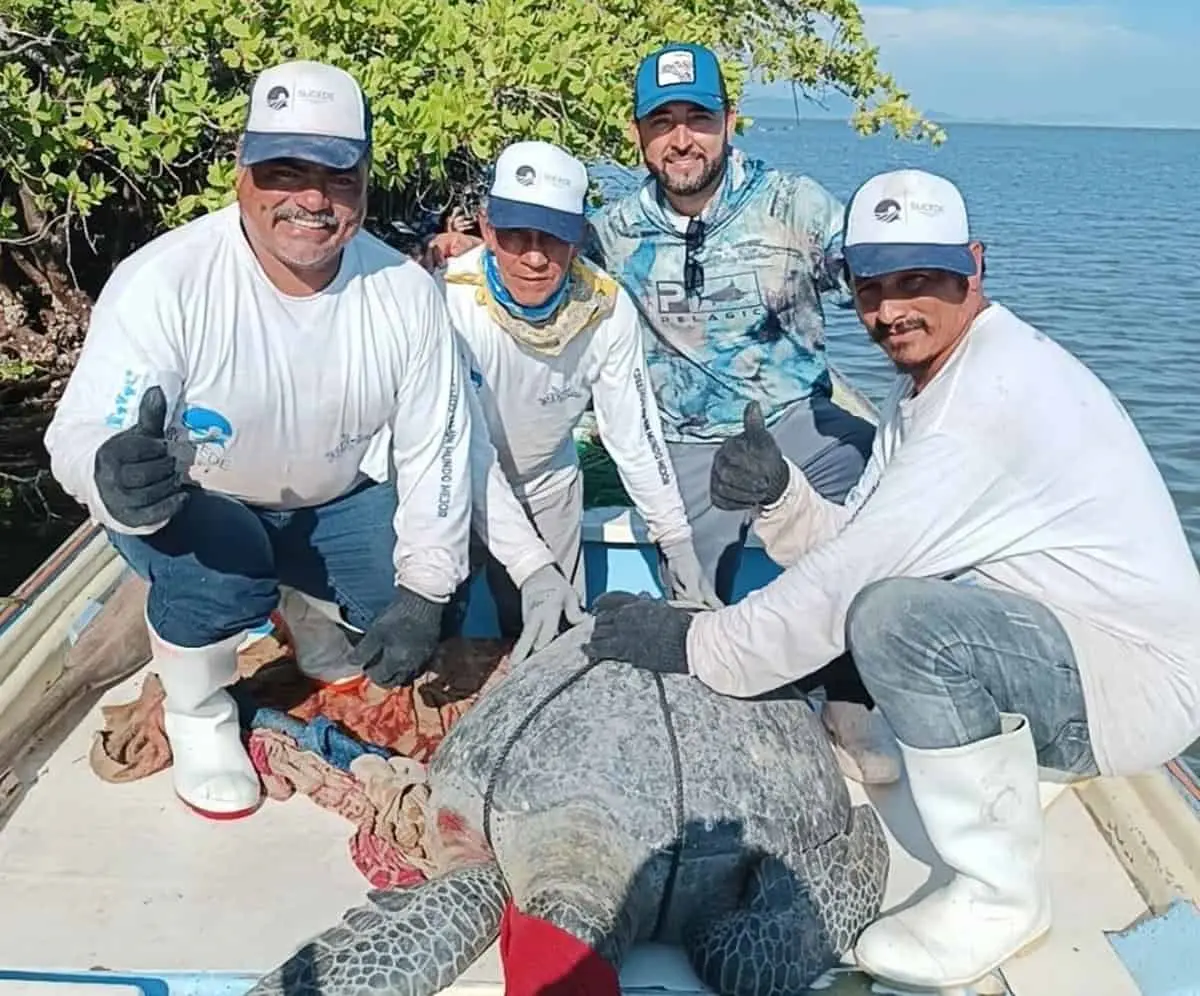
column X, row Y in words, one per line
column 942, row 660
column 214, row 570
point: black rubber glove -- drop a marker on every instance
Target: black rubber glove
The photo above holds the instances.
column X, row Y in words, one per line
column 399, row 645
column 748, row 469
column 639, row 630
column 136, row 476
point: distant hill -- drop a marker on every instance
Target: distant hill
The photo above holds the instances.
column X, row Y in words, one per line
column 764, row 104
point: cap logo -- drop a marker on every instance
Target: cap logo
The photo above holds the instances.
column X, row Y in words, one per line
column 277, row 98
column 315, row 96
column 676, row 67
column 931, row 209
column 526, row 175
column 887, row 211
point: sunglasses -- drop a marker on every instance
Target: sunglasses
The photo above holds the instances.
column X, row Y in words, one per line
column 693, row 269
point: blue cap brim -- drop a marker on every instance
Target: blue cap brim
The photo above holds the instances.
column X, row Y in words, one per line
column 503, row 213
column 701, row 98
column 325, row 150
column 880, row 259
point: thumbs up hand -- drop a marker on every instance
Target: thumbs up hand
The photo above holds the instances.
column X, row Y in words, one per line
column 135, row 475
column 748, row 469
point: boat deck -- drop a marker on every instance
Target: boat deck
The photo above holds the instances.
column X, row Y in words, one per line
column 120, row 877
column 100, row 878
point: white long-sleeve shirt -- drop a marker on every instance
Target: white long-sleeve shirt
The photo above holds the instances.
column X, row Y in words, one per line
column 1017, row 464
column 531, row 403
column 273, row 399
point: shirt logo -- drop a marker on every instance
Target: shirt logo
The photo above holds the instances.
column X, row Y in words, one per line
column 206, row 426
column 559, row 394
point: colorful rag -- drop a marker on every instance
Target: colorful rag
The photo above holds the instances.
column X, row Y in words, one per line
column 359, row 753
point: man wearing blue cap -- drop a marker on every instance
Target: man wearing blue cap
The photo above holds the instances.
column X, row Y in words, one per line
column 728, row 261
column 1010, row 576
column 235, row 373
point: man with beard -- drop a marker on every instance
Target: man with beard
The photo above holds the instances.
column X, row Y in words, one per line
column 235, row 372
column 727, row 261
column 1010, row 576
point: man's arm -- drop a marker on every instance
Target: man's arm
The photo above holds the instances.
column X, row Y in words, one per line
column 631, row 429
column 431, row 444
column 819, row 216
column 131, row 346
column 799, row 521
column 940, row 507
column 593, row 244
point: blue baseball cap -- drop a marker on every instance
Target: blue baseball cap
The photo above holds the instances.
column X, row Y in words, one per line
column 679, row 72
column 308, row 111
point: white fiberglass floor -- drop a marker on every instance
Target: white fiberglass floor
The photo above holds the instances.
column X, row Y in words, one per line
column 95, row 875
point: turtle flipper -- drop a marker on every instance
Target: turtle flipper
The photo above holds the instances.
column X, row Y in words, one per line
column 794, row 926
column 403, row 942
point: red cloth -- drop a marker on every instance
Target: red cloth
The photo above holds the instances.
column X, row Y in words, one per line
column 540, row 959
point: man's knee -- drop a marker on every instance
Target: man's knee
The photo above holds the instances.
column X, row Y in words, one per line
column 210, row 571
column 888, row 630
column 343, row 552
column 835, row 470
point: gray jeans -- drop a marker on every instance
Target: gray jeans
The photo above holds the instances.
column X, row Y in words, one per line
column 943, row 659
column 558, row 520
column 829, row 444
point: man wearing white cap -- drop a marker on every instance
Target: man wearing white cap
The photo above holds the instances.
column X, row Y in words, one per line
column 545, row 333
column 234, row 373
column 1010, row 577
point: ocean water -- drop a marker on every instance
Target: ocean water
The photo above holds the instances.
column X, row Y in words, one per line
column 1092, row 234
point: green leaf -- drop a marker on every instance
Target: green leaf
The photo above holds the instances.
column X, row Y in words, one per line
column 139, row 85
column 235, row 27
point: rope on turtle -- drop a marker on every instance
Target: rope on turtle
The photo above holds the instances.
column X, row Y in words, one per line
column 490, row 789
column 676, row 767
column 664, row 905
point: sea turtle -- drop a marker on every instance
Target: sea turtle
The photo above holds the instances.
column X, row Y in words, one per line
column 621, row 806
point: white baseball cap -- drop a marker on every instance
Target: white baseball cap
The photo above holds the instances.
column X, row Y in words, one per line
column 907, row 219
column 540, row 186
column 310, row 111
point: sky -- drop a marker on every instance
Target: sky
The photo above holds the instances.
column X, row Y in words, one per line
column 1112, row 62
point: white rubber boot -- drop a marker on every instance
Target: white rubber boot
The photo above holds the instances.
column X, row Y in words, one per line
column 863, row 743
column 982, row 811
column 211, row 770
column 321, row 646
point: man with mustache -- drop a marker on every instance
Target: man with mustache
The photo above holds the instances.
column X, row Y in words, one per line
column 546, row 334
column 1009, row 575
column 727, row 261
column 235, row 374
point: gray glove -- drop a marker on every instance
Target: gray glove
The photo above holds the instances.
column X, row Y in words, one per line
column 399, row 645
column 546, row 597
column 136, row 477
column 685, row 581
column 748, row 469
column 646, row 632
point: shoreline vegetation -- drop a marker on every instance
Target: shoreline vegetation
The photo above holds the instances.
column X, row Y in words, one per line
column 118, row 121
